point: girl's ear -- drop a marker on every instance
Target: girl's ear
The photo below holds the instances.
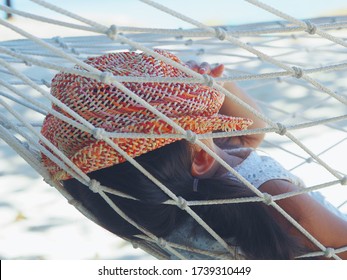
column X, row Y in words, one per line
column 203, row 165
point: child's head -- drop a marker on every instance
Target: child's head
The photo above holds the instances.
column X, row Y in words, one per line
column 192, row 106
column 250, row 225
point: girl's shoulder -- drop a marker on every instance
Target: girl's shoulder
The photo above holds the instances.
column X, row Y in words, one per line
column 258, row 168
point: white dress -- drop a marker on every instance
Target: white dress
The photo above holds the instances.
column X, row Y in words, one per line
column 258, row 169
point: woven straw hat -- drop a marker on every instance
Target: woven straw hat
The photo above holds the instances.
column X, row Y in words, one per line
column 192, row 106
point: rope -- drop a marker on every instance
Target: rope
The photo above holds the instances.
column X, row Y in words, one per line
column 309, row 27
column 298, row 73
column 44, row 19
column 222, row 35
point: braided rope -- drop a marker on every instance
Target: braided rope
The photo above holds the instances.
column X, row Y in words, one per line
column 309, row 27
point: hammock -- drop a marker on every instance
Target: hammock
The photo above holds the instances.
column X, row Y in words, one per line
column 281, row 64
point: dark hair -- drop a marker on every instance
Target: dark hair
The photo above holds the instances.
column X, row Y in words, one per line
column 250, row 224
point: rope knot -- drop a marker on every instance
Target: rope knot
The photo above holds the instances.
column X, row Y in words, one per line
column 162, row 242
column 344, row 181
column 297, row 72
column 191, row 136
column 27, row 63
column 94, row 186
column 61, row 42
column 26, row 145
column 106, row 77
column 208, row 80
column 179, row 37
column 74, row 202
column 200, row 51
column 282, row 130
column 98, row 133
column 329, row 252
column 310, row 27
column 74, row 51
column 112, row 32
column 135, row 244
column 182, row 203
column 5, row 124
column 49, row 181
column 189, row 42
column 267, row 199
column 220, row 33
column 46, row 83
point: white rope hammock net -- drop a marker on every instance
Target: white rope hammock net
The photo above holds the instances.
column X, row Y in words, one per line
column 278, row 63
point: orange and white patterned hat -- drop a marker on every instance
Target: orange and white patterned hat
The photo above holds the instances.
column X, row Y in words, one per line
column 192, row 106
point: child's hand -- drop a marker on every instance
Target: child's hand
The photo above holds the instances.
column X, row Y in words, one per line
column 205, row 68
column 230, row 108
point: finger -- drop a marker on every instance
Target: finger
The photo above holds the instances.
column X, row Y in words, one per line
column 217, row 71
column 192, row 65
column 204, row 68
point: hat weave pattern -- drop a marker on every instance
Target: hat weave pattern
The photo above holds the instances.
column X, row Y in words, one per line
column 192, row 106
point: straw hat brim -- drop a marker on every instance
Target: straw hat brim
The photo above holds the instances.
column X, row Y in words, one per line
column 98, row 154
